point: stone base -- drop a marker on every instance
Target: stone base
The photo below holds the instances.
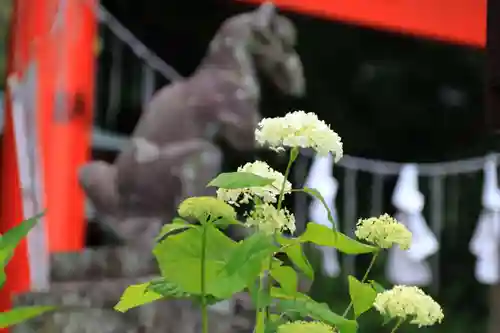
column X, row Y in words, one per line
column 87, row 285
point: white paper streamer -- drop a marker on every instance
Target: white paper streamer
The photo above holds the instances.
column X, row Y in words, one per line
column 484, row 242
column 321, row 178
column 409, row 267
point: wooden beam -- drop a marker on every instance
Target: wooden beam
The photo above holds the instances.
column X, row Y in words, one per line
column 455, row 21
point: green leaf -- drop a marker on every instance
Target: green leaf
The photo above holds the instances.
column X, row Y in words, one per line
column 20, row 314
column 378, row 287
column 318, row 311
column 316, row 194
column 286, row 277
column 179, row 258
column 260, row 298
column 11, row 239
column 362, row 295
column 136, row 295
column 324, row 236
column 205, row 209
column 177, row 224
column 234, row 180
column 166, row 288
column 281, row 294
column 295, row 253
column 274, row 322
column 224, row 223
column 171, row 290
column 247, row 260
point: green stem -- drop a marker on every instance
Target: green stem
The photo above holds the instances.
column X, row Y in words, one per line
column 293, row 156
column 260, row 315
column 400, row 321
column 204, row 306
column 370, row 266
column 264, row 315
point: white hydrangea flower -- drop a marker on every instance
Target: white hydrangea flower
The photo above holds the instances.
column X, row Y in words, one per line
column 300, row 326
column 268, row 194
column 268, row 219
column 299, row 129
column 409, row 302
column 384, row 231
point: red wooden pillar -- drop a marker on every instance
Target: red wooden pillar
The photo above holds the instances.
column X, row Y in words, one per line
column 63, row 125
column 71, row 126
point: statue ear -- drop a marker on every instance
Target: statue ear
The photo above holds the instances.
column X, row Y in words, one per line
column 264, row 15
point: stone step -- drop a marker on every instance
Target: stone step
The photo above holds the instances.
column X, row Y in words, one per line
column 103, row 263
column 159, row 319
column 87, row 306
column 103, row 293
column 82, row 321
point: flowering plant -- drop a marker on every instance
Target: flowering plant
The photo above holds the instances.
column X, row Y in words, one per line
column 200, row 262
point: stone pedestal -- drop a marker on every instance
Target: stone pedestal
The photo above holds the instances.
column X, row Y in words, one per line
column 87, row 285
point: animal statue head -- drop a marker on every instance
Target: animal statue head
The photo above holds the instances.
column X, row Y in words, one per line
column 260, row 40
column 270, row 40
column 273, row 43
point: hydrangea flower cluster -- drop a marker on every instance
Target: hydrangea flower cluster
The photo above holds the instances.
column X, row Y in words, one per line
column 305, row 327
column 268, row 219
column 299, row 129
column 409, row 302
column 384, row 231
column 267, row 194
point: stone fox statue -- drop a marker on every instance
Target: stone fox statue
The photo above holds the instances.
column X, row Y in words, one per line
column 171, row 154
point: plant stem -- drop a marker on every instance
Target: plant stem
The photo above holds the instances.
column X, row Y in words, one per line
column 204, row 307
column 293, row 156
column 260, row 315
column 370, row 266
column 400, row 321
column 264, row 314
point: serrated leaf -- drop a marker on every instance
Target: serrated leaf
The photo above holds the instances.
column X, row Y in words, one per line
column 179, row 259
column 294, row 251
column 246, row 261
column 316, row 194
column 362, row 295
column 205, row 209
column 235, row 180
column 324, row 236
column 281, row 294
column 224, row 223
column 20, row 314
column 136, row 295
column 286, row 277
column 318, row 311
column 177, row 224
column 166, row 288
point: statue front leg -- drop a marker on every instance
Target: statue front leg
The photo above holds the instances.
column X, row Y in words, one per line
column 197, row 169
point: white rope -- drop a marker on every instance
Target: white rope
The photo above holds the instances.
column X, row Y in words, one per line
column 425, row 169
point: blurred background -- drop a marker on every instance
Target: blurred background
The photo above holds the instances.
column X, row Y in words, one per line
column 391, row 96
